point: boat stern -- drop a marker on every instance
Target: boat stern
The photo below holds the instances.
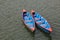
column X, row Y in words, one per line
column 50, row 29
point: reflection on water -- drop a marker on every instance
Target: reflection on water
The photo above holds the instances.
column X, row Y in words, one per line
column 40, row 35
column 38, row 30
column 47, row 35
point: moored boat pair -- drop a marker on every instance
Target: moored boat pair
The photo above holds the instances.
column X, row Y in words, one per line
column 30, row 19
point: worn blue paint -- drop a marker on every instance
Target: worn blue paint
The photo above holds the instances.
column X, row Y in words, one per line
column 44, row 25
column 28, row 20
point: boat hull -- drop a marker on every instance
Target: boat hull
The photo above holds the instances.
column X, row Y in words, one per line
column 28, row 27
column 43, row 29
column 31, row 26
column 41, row 22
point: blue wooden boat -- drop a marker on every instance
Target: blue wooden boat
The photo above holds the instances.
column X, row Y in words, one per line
column 28, row 20
column 41, row 22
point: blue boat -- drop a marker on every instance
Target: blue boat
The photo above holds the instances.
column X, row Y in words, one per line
column 41, row 22
column 28, row 20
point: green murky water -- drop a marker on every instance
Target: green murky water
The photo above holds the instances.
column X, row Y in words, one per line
column 12, row 28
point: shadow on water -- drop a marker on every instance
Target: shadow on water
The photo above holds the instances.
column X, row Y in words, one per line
column 44, row 33
column 48, row 35
column 32, row 34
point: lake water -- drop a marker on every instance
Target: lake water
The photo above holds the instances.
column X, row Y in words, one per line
column 12, row 28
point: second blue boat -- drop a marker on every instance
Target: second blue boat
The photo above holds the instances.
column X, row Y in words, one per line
column 41, row 22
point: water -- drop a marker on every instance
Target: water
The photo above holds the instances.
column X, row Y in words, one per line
column 12, row 28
